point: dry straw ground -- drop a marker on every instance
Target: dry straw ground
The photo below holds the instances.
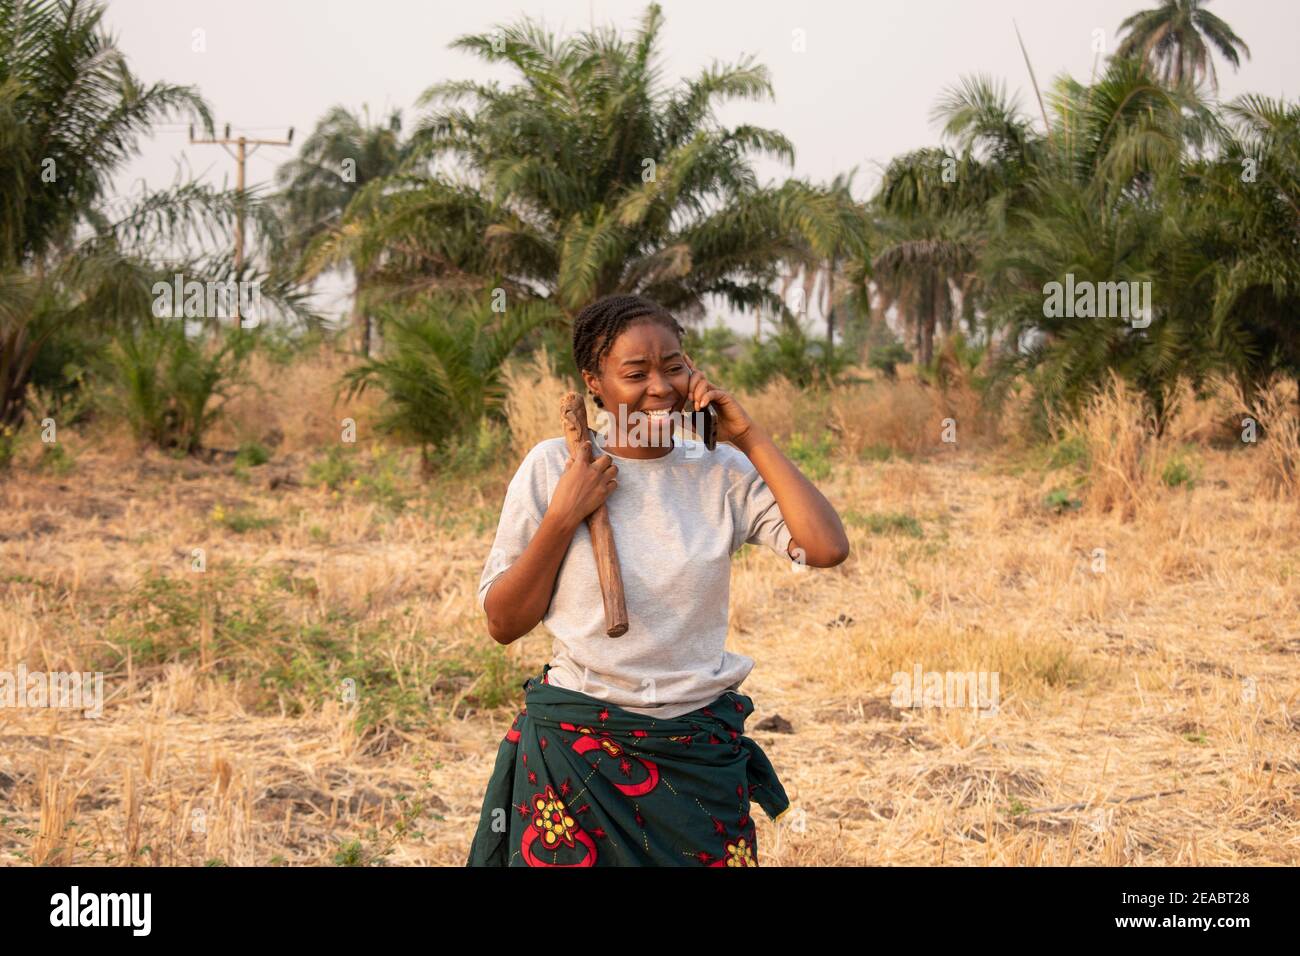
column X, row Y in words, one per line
column 1145, row 637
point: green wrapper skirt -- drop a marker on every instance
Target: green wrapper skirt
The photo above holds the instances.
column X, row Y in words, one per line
column 581, row 782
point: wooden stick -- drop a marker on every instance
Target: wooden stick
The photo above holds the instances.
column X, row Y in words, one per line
column 573, row 414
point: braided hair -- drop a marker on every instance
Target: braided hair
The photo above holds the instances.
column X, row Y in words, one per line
column 599, row 325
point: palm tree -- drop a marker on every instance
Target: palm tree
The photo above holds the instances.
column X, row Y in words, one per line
column 71, row 113
column 342, row 155
column 588, row 177
column 1105, row 203
column 926, row 265
column 1249, row 225
column 836, row 270
column 937, row 209
column 1176, row 37
column 1068, row 231
column 826, row 274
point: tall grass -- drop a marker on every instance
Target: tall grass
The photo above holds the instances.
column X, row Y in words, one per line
column 534, row 389
column 1277, row 411
column 1125, row 456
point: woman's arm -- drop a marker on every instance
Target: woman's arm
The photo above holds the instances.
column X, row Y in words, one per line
column 518, row 600
column 814, row 524
column 815, row 528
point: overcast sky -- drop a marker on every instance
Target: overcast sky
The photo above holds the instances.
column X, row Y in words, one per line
column 860, row 92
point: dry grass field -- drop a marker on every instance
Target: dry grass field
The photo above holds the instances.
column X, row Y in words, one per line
column 1138, row 600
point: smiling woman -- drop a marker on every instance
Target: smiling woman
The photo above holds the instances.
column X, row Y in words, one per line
column 657, row 709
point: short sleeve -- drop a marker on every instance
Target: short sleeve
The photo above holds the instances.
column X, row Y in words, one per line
column 759, row 518
column 521, row 515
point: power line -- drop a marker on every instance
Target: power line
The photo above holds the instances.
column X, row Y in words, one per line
column 241, row 158
column 228, row 126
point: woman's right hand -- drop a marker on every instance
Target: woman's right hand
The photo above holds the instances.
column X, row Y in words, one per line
column 584, row 486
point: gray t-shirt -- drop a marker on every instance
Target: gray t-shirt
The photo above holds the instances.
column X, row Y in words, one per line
column 677, row 520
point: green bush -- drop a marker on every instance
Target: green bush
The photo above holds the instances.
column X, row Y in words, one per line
column 789, row 352
column 8, row 439
column 284, row 344
column 242, row 520
column 1070, row 451
column 1060, row 500
column 383, row 479
column 887, row 358
column 712, row 349
column 441, row 370
column 1180, row 470
column 167, row 383
column 251, row 454
column 885, row 350
column 61, row 374
column 333, row 471
column 383, row 482
column 812, row 456
column 55, row 459
column 476, row 452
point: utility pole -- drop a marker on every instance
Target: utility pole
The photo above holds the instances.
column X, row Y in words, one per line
column 242, row 143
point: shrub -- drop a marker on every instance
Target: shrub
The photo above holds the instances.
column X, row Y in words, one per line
column 887, row 358
column 1069, row 451
column 478, row 451
column 715, row 349
column 165, row 383
column 55, row 459
column 334, row 470
column 441, row 369
column 8, row 437
column 812, row 456
column 1059, row 500
column 885, row 350
column 61, row 371
column 251, row 454
column 240, row 520
column 790, row 353
column 1178, row 471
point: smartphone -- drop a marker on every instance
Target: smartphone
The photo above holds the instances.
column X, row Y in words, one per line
column 705, row 424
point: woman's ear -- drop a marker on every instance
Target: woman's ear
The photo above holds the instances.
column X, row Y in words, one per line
column 592, row 382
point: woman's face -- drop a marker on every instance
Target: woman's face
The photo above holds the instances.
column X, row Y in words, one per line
column 644, row 370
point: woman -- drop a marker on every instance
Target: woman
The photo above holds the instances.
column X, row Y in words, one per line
column 631, row 750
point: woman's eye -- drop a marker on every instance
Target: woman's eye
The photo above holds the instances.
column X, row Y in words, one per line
column 675, row 368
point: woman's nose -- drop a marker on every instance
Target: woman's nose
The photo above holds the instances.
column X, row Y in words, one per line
column 661, row 387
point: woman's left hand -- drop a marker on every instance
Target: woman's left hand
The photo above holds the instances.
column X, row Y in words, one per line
column 733, row 421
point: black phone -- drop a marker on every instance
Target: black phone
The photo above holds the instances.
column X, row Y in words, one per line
column 705, row 424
